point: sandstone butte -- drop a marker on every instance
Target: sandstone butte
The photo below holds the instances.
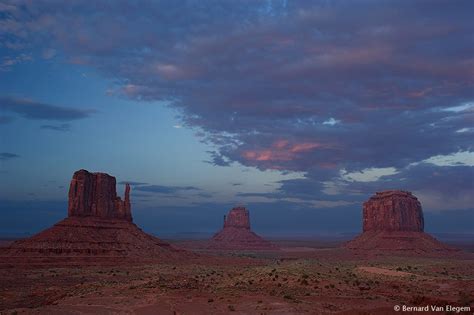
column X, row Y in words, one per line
column 237, row 235
column 99, row 225
column 393, row 221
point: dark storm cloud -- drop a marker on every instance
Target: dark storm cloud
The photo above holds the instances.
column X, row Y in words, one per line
column 317, row 87
column 160, row 189
column 39, row 111
column 4, row 156
column 62, row 127
column 217, row 159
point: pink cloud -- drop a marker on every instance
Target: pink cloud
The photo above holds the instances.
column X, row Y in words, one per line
column 304, row 147
column 281, row 150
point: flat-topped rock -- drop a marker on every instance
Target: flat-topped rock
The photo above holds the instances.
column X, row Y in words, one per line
column 393, row 221
column 99, row 226
column 236, row 233
column 238, row 217
column 94, row 194
column 393, row 210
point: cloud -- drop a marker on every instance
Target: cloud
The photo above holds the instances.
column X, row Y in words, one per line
column 62, row 127
column 462, row 130
column 217, row 159
column 5, row 156
column 132, row 183
column 294, row 88
column 257, row 194
column 160, row 189
column 331, row 122
column 281, row 150
column 9, row 61
column 368, row 174
column 460, row 108
column 454, row 159
column 29, row 109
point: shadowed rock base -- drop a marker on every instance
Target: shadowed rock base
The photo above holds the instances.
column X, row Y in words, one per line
column 236, row 234
column 92, row 236
column 401, row 241
column 235, row 238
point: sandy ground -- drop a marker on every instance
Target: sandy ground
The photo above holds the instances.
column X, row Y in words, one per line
column 298, row 280
column 384, row 272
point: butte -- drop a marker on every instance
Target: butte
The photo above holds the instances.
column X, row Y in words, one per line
column 99, row 227
column 236, row 233
column 393, row 221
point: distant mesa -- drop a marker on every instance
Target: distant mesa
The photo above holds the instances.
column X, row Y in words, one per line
column 393, row 220
column 237, row 235
column 99, row 224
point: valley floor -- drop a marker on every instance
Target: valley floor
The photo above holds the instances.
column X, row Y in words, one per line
column 296, row 280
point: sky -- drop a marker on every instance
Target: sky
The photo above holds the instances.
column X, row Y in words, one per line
column 299, row 110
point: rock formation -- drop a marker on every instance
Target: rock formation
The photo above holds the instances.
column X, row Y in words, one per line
column 393, row 210
column 238, row 217
column 99, row 225
column 393, row 220
column 236, row 233
column 93, row 194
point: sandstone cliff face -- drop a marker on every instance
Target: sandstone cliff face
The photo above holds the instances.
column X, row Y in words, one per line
column 99, row 225
column 393, row 210
column 238, row 217
column 94, row 194
column 393, row 221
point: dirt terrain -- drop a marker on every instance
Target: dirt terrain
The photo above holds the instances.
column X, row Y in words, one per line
column 293, row 280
